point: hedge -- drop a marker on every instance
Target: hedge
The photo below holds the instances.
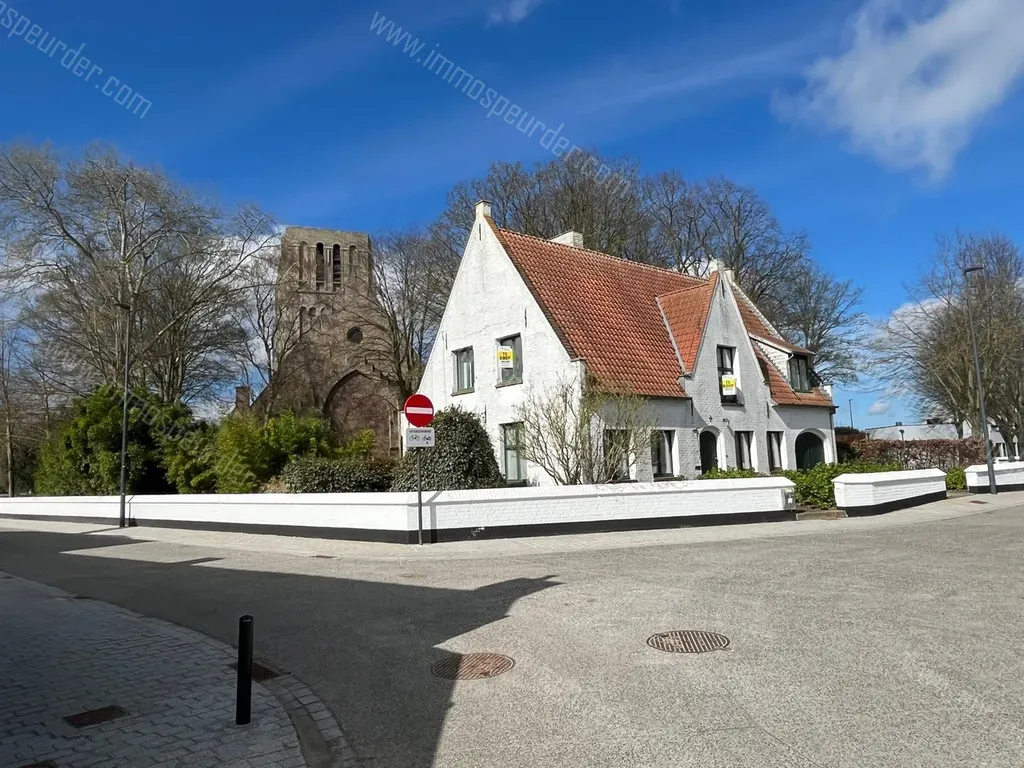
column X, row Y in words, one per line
column 727, row 474
column 814, row 486
column 461, row 459
column 319, row 475
column 956, row 479
column 923, row 454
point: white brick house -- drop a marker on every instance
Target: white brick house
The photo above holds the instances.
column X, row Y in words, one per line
column 569, row 312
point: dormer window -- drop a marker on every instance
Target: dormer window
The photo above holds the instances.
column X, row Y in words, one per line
column 800, row 373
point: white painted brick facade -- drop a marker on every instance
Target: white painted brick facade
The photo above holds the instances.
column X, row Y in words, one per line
column 490, row 300
column 874, row 488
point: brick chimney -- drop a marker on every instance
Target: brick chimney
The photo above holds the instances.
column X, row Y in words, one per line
column 243, row 399
column 573, row 238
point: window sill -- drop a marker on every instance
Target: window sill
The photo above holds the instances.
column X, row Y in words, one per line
column 516, row 483
column 666, row 478
column 463, row 392
column 511, row 383
column 732, row 404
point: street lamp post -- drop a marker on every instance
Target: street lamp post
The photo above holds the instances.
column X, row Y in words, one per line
column 850, row 403
column 122, row 520
column 981, row 389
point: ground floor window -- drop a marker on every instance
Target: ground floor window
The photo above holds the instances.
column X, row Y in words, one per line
column 743, row 450
column 662, row 441
column 616, row 454
column 774, row 451
column 515, row 464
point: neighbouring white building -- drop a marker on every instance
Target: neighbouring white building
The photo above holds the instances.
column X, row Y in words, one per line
column 724, row 388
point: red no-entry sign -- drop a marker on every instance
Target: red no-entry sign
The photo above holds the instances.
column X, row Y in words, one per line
column 419, row 411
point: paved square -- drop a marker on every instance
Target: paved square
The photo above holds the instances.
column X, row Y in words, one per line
column 61, row 656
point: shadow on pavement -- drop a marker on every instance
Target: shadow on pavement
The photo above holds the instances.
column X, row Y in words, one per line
column 365, row 647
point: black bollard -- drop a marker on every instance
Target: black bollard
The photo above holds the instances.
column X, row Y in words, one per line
column 243, row 694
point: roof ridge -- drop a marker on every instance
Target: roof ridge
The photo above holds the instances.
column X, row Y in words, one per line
column 696, row 280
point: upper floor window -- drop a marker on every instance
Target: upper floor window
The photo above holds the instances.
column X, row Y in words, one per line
column 727, row 374
column 510, row 360
column 351, row 259
column 800, row 373
column 336, row 266
column 464, row 370
column 321, row 267
column 303, row 255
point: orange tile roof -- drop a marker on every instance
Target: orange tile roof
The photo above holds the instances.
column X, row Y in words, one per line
column 686, row 313
column 626, row 320
column 757, row 327
column 781, row 390
column 604, row 310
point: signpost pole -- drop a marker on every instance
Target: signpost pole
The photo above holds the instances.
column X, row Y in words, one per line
column 419, row 493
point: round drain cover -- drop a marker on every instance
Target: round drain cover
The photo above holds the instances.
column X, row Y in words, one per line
column 472, row 666
column 688, row 641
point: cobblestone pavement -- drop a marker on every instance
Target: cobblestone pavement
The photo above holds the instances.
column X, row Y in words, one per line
column 60, row 656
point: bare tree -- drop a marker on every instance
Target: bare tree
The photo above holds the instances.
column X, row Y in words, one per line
column 822, row 314
column 103, row 243
column 924, row 349
column 583, row 435
column 413, row 273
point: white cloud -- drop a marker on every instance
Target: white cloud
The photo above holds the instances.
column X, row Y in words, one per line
column 879, row 407
column 512, row 11
column 918, row 77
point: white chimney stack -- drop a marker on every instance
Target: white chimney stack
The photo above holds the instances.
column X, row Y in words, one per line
column 483, row 208
column 573, row 238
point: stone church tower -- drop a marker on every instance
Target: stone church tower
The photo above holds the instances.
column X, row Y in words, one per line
column 325, row 294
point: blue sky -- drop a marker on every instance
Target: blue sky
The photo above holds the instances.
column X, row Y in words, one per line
column 871, row 124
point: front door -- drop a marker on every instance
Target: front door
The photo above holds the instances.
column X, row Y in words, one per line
column 708, row 452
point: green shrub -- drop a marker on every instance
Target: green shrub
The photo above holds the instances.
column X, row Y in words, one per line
column 84, row 457
column 814, row 486
column 956, row 479
column 249, row 453
column 189, row 460
column 319, row 475
column 727, row 474
column 462, row 458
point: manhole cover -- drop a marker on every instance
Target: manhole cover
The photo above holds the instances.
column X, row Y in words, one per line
column 472, row 666
column 688, row 641
column 95, row 716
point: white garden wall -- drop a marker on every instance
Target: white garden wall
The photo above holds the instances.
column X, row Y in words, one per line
column 447, row 515
column 1009, row 477
column 876, row 492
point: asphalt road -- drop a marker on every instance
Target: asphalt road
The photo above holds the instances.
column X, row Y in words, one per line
column 866, row 644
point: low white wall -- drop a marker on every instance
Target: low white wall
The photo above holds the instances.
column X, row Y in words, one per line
column 468, row 511
column 588, row 504
column 368, row 511
column 876, row 489
column 1009, row 476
